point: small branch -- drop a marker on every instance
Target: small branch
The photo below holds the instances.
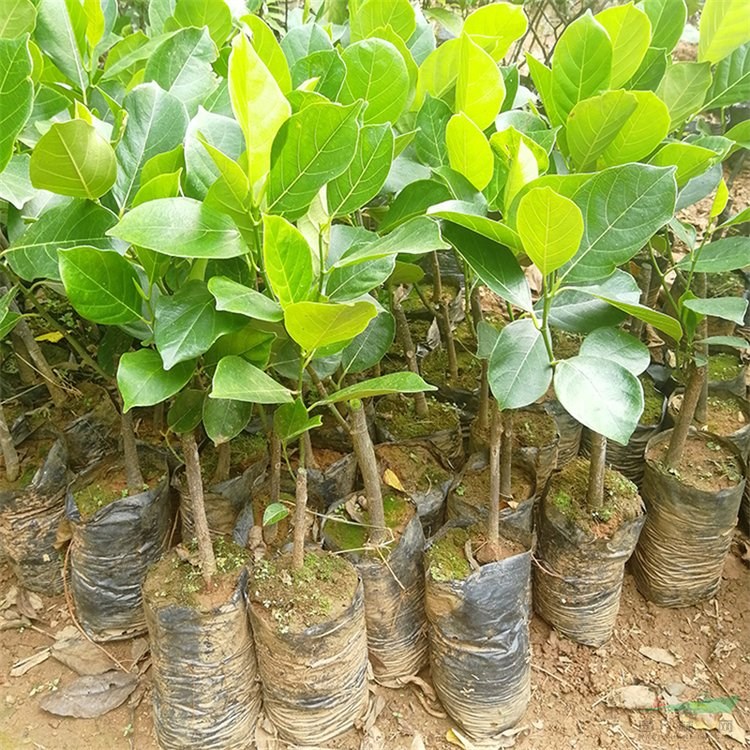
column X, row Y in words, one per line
column 701, row 409
column 483, row 414
column 686, row 415
column 506, row 455
column 443, row 319
column 133, row 474
column 300, row 519
column 323, row 393
column 407, row 344
column 10, row 454
column 597, row 464
column 275, row 479
column 493, row 519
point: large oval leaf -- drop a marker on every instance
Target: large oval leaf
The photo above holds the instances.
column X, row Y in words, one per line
column 480, row 89
column 723, row 28
column 629, row 31
column 224, row 419
column 398, row 382
column 287, row 260
column 143, row 381
column 617, row 346
column 314, row 325
column 234, row 297
column 16, row 93
column 469, row 151
column 495, row 27
column 239, row 380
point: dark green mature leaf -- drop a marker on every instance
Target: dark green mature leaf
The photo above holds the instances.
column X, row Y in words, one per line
column 101, row 285
column 224, row 419
column 617, row 346
column 412, row 201
column 366, row 173
column 728, row 254
column 239, row 380
column 301, row 41
column 287, row 259
column 186, row 411
column 602, row 395
column 72, row 159
column 238, row 298
column 156, row 124
column 312, row 147
column 187, row 323
column 731, row 80
column 314, row 325
column 60, row 32
column 398, row 382
column 429, row 142
column 370, row 346
column 519, row 366
column 727, row 308
column 292, row 420
column 143, row 381
column 182, row 228
column 16, row 93
column 8, row 321
column 351, row 282
column 251, row 343
column 76, row 222
column 622, row 207
column 493, row 263
column 458, row 212
column 734, row 341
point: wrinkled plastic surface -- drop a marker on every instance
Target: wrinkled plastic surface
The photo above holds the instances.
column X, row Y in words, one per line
column 326, row 486
column 479, row 641
column 93, row 435
column 205, row 688
column 569, row 430
column 110, row 554
column 578, row 576
column 744, row 518
column 29, row 520
column 687, row 534
column 448, row 444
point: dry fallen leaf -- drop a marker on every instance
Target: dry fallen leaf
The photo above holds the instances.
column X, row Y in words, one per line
column 417, row 742
column 80, row 655
column 24, row 665
column 90, row 696
column 632, row 697
column 660, row 655
column 392, row 480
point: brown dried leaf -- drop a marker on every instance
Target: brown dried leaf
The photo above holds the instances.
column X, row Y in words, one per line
column 90, row 696
column 24, row 665
column 660, row 655
column 82, row 657
column 632, row 697
column 392, row 480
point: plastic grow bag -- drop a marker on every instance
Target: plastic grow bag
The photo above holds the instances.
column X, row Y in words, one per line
column 93, row 435
column 326, row 486
column 110, row 554
column 569, row 430
column 687, row 534
column 29, row 520
column 205, row 688
column 314, row 682
column 578, row 576
column 479, row 641
column 744, row 516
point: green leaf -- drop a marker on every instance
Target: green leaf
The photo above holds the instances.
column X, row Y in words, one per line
column 728, row 254
column 519, row 155
column 186, row 411
column 182, row 228
column 187, row 323
column 594, row 123
column 551, row 228
column 273, row 513
column 469, row 151
column 731, row 80
column 493, row 263
column 723, row 28
column 287, row 259
column 519, row 366
column 668, row 19
column 15, row 183
column 327, row 66
column 602, row 395
column 224, row 419
column 450, row 21
column 269, row 51
column 237, row 298
column 429, row 141
column 542, row 77
column 351, row 282
column 33, row 255
column 581, row 64
column 376, row 72
column 239, row 380
column 641, row 133
column 313, row 147
column 16, row 93
column 143, row 381
column 156, row 124
column 438, row 73
column 214, row 14
column 622, row 207
column 458, row 213
column 17, row 17
column 292, row 420
column 413, row 200
column 301, row 41
column 683, row 89
column 495, row 27
column 689, row 159
column 72, row 159
column 60, row 32
column 258, row 104
column 617, row 346
column 249, row 343
column 629, row 30
column 366, row 174
column 101, row 285
column 370, row 346
column 182, row 66
column 726, row 308
column 162, row 186
column 480, row 88
column 734, row 341
column 314, row 325
column 399, row 382
column 374, row 14
column 8, row 321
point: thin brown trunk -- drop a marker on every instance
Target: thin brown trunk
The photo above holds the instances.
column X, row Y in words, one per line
column 368, row 466
column 506, row 456
column 701, row 408
column 644, row 282
column 496, row 440
column 133, row 474
column 443, row 318
column 275, row 479
column 483, row 414
column 310, row 460
column 10, row 454
column 685, row 417
column 223, row 463
column 51, row 381
column 597, row 464
column 300, row 512
column 407, row 344
column 200, row 522
column 476, row 308
column 25, row 370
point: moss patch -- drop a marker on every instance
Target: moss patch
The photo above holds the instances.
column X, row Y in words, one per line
column 723, row 367
column 533, row 429
column 435, row 370
column 245, row 451
column 653, row 402
column 414, row 465
column 401, row 417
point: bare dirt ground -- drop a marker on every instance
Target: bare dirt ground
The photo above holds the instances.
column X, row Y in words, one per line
column 570, row 683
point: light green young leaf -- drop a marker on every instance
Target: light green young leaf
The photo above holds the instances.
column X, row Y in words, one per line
column 668, row 19
column 480, row 88
column 16, row 93
column 17, row 17
column 162, row 186
column 551, row 228
column 287, row 259
column 72, row 159
column 629, row 30
column 723, row 28
column 469, row 151
column 269, row 51
column 398, row 382
column 214, row 14
column 520, row 155
column 731, row 80
column 617, row 346
column 429, row 141
column 274, row 513
column 495, row 27
column 314, row 325
column 143, row 381
column 375, row 14
column 438, row 73
column 15, row 183
column 239, row 380
column 683, row 89
column 234, row 297
column 61, row 33
column 542, row 77
column 689, row 159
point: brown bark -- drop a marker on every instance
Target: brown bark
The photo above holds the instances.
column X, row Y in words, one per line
column 443, row 319
column 597, row 465
column 483, row 413
column 275, row 479
column 407, row 344
column 644, row 282
column 25, row 371
column 300, row 519
column 133, row 474
column 223, row 462
column 51, row 381
column 506, row 455
column 10, row 455
column 701, row 408
column 496, row 439
column 685, row 418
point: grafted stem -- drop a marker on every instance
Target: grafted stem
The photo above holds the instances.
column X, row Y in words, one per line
column 597, row 467
column 133, row 474
column 685, row 418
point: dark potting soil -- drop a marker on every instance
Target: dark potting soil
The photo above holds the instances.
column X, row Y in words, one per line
column 724, row 366
column 705, row 464
column 726, row 414
column 416, row 468
column 404, row 423
column 533, row 429
column 566, row 344
column 245, row 450
column 298, row 599
column 653, row 402
column 347, row 533
column 435, row 369
column 177, row 579
column 31, row 455
column 418, row 329
column 567, row 492
column 446, row 557
column 475, row 487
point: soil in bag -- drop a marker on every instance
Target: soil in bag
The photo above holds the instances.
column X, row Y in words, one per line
column 691, row 514
column 462, row 390
column 479, row 628
column 116, row 536
column 205, row 688
column 581, row 554
column 393, row 580
column 311, row 642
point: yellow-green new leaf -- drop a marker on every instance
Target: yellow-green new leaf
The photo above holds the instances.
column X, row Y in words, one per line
column 314, row 325
column 629, row 30
column 480, row 88
column 71, row 158
column 375, row 14
column 683, row 89
column 469, row 151
column 269, row 50
column 16, row 93
column 689, row 159
column 495, row 27
column 17, row 17
column 725, row 25
column 287, row 259
column 213, row 14
column 550, row 226
column 258, row 104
